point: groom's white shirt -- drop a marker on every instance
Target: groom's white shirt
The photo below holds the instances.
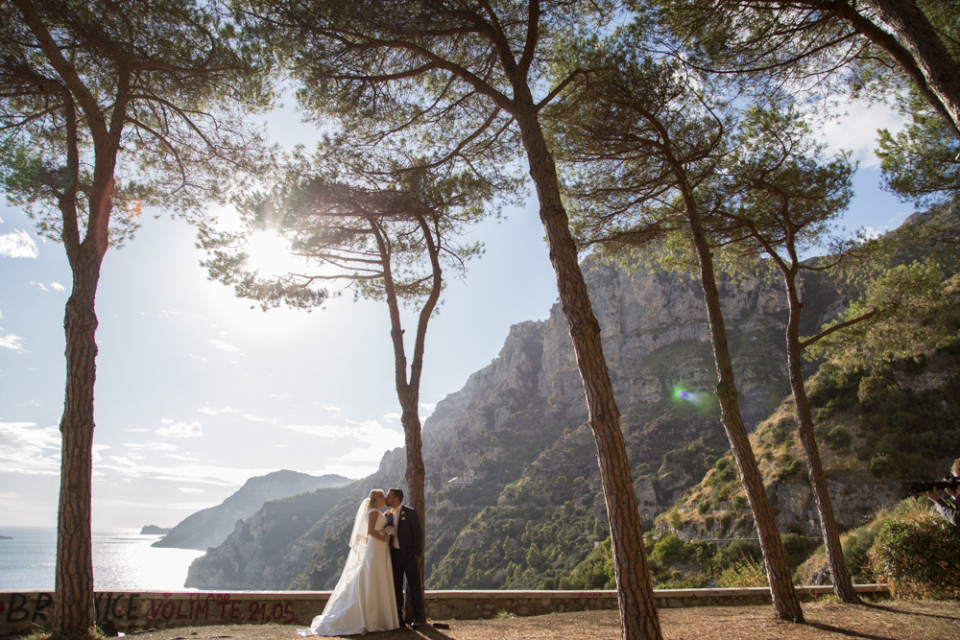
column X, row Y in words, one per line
column 396, row 527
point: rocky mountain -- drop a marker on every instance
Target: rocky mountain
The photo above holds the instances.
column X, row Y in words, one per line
column 512, row 446
column 512, row 489
column 210, row 527
column 153, row 530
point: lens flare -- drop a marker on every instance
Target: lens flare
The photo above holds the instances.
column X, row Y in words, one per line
column 679, row 393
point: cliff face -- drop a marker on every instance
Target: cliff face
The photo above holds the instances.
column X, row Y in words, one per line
column 515, row 432
column 264, row 550
column 513, row 493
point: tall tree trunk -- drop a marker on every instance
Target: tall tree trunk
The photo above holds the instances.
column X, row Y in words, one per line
column 408, row 390
column 842, row 585
column 638, row 614
column 415, row 474
column 73, row 600
column 785, row 602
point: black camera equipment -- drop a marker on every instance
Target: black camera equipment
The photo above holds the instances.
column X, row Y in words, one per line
column 950, row 482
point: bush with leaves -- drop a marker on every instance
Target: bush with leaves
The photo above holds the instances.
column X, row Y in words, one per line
column 917, row 557
column 748, row 572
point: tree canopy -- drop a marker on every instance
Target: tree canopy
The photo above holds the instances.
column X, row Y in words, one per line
column 156, row 83
column 469, row 82
column 104, row 103
column 838, row 44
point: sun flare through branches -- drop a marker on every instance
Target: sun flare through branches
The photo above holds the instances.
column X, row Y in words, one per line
column 270, row 255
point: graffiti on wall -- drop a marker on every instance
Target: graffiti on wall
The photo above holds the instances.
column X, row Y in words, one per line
column 22, row 608
column 130, row 610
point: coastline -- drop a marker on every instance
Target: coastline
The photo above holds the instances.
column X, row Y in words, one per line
column 123, row 559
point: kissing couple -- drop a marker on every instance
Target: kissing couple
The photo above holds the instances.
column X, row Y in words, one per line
column 384, row 547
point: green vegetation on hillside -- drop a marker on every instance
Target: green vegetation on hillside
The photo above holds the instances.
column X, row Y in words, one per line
column 514, row 496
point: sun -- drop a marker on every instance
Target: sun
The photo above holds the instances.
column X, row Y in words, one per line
column 270, row 255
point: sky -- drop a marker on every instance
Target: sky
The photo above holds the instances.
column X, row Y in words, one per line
column 198, row 391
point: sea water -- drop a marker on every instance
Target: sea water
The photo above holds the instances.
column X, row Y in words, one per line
column 122, row 560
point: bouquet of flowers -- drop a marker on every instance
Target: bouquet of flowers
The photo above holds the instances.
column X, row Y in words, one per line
column 389, row 530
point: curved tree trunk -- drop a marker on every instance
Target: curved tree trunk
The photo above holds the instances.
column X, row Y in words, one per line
column 940, row 72
column 409, row 398
column 415, row 473
column 73, row 599
column 842, row 585
column 408, row 389
column 902, row 30
column 786, row 604
column 638, row 614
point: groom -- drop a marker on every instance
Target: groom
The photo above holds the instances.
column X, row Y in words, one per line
column 405, row 545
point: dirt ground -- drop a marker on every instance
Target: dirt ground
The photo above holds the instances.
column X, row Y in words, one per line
column 896, row 620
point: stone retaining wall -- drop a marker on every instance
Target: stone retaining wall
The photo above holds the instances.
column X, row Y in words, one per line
column 22, row 612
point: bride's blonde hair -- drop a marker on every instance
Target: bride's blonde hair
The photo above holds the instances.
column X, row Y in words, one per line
column 374, row 493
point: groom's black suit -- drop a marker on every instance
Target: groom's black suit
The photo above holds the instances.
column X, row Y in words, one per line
column 406, row 559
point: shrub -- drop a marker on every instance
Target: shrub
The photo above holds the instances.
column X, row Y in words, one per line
column 917, row 557
column 736, row 552
column 790, row 467
column 874, row 391
column 747, row 572
column 855, row 553
column 838, row 438
column 798, row 548
column 669, row 550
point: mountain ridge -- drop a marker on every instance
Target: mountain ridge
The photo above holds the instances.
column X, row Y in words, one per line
column 512, row 489
column 210, row 527
column 525, row 411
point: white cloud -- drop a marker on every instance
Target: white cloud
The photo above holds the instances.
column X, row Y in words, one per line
column 56, row 286
column 181, row 430
column 183, row 457
column 96, row 455
column 224, row 346
column 210, row 411
column 325, row 431
column 18, row 244
column 190, row 490
column 189, row 473
column 255, row 418
column 362, row 445
column 11, row 341
column 427, row 409
column 152, row 446
column 855, row 129
column 326, row 406
column 29, row 449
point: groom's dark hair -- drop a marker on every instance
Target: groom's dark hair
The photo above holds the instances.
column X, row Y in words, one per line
column 398, row 493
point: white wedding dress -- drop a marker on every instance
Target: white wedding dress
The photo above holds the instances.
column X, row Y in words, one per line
column 363, row 599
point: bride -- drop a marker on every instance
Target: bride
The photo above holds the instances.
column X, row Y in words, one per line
column 363, row 599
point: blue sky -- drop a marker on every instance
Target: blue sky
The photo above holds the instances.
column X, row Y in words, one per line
column 196, row 391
